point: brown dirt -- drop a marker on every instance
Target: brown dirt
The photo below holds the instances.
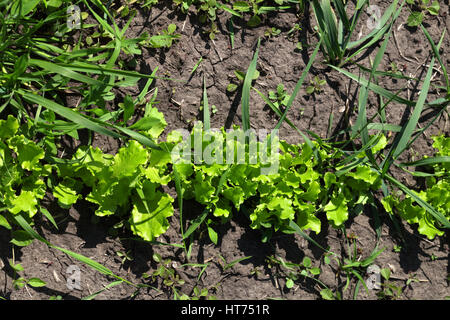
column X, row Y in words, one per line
column 278, row 62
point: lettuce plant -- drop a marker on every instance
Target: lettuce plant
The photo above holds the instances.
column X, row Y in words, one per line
column 436, row 193
column 22, row 172
column 127, row 181
column 303, row 187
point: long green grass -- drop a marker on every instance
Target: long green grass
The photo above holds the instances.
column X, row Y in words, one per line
column 336, row 34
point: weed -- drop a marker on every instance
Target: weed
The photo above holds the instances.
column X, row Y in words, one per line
column 272, row 32
column 315, row 85
column 202, row 294
column 418, row 10
column 164, row 40
column 293, row 273
column 390, row 290
column 166, row 272
column 124, row 256
column 20, row 282
column 239, row 77
column 279, row 97
column 336, row 34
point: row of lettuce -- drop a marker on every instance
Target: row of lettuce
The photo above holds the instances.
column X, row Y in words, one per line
column 305, row 187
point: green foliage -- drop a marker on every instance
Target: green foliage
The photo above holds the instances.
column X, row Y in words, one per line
column 239, row 77
column 40, row 53
column 128, row 180
column 315, row 85
column 436, row 194
column 418, row 10
column 280, row 97
column 207, row 10
column 272, row 32
column 390, row 290
column 167, row 273
column 295, row 273
column 336, row 26
column 256, row 8
column 165, row 39
column 22, row 171
column 128, row 183
column 20, row 282
column 299, row 190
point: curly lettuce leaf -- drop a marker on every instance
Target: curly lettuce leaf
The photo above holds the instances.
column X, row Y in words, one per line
column 26, row 201
column 149, row 215
column 337, row 210
column 8, row 127
column 128, row 159
column 28, row 153
column 153, row 123
column 66, row 193
column 306, row 218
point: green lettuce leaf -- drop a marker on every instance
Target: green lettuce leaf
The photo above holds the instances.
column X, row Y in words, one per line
column 28, row 153
column 337, row 210
column 149, row 215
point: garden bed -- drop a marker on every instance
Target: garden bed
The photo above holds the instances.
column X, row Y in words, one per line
column 241, row 265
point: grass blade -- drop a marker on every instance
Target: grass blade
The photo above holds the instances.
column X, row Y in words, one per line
column 65, row 72
column 231, row 31
column 87, row 123
column 112, row 284
column 426, row 161
column 402, row 138
column 294, row 94
column 342, row 14
column 232, row 263
column 297, row 229
column 299, row 84
column 437, row 55
column 206, row 113
column 196, row 65
column 180, row 196
column 101, row 69
column 374, row 87
column 245, row 102
column 383, row 22
column 68, row 114
column 91, row 263
column 320, row 18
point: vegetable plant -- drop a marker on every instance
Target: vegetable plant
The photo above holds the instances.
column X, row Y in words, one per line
column 436, row 193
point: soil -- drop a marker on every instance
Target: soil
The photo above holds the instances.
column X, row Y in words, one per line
column 425, row 263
